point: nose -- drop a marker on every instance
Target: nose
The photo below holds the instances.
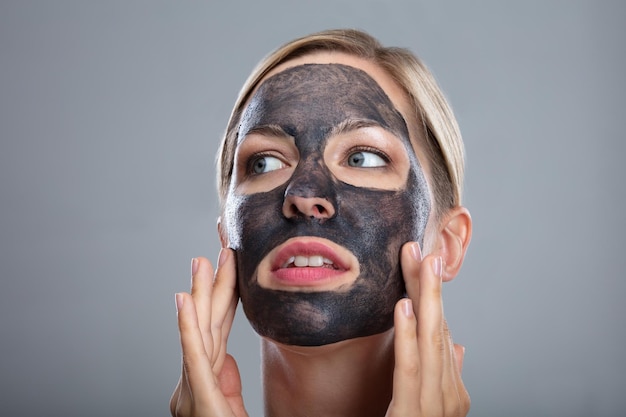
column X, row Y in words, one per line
column 310, row 194
column 308, row 207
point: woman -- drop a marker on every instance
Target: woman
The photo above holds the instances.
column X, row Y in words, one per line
column 340, row 179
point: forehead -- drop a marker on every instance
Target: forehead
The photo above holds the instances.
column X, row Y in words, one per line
column 320, row 97
column 380, row 76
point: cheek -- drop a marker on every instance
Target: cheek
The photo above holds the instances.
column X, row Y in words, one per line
column 249, row 215
column 373, row 224
column 255, row 226
column 379, row 218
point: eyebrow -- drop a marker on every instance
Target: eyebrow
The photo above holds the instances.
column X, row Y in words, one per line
column 348, row 125
column 353, row 124
column 270, row 130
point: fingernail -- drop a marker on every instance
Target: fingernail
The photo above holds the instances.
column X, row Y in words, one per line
column 222, row 258
column 194, row 266
column 407, row 307
column 416, row 252
column 438, row 266
column 179, row 301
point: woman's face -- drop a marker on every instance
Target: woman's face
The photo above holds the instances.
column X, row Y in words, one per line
column 326, row 188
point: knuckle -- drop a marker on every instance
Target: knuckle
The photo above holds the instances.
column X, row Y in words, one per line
column 456, row 409
column 437, row 340
column 465, row 402
column 216, row 327
column 173, row 402
column 176, row 405
column 410, row 369
column 460, row 407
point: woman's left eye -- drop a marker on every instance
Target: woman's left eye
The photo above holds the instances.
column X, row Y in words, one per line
column 363, row 159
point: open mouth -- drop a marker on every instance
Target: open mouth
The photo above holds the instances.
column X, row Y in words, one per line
column 301, row 261
column 308, row 263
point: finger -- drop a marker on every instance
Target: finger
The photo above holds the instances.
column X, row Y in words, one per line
column 463, row 395
column 430, row 332
column 406, row 374
column 230, row 381
column 451, row 379
column 224, row 302
column 228, row 322
column 459, row 353
column 195, row 359
column 203, row 386
column 175, row 399
column 459, row 399
column 201, row 289
column 180, row 402
column 411, row 259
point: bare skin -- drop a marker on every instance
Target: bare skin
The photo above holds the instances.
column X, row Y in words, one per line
column 417, row 357
column 413, row 369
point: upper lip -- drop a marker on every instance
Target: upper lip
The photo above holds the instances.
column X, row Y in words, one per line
column 307, row 247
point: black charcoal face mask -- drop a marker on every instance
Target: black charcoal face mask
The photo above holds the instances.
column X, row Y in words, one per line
column 307, row 102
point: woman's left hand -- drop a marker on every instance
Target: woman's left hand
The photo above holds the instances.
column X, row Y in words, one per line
column 427, row 375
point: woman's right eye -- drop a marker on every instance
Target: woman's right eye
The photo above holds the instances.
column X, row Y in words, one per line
column 265, row 163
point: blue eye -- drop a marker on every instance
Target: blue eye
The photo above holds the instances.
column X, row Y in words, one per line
column 266, row 163
column 363, row 159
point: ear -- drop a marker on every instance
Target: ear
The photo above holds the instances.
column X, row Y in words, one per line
column 455, row 233
column 222, row 233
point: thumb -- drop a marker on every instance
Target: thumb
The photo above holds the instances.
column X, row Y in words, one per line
column 230, row 384
column 229, row 379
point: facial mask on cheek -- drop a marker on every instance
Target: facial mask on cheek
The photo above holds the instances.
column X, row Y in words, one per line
column 373, row 224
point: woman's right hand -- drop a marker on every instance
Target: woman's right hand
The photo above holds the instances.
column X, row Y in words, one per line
column 210, row 384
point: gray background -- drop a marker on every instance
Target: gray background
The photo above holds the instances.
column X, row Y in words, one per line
column 110, row 114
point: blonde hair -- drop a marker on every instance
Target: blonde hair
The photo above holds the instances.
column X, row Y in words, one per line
column 442, row 139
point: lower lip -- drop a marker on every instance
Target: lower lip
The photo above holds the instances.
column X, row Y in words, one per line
column 306, row 276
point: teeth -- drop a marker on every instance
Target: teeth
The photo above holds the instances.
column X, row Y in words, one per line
column 303, row 261
column 316, row 261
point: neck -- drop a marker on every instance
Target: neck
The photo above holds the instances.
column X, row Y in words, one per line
column 348, row 378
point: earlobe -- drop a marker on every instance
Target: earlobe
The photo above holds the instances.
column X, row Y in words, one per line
column 222, row 233
column 454, row 238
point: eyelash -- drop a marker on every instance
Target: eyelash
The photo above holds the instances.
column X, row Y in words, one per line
column 375, row 151
column 253, row 159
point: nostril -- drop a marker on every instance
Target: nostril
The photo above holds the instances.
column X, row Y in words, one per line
column 307, row 207
column 322, row 210
column 292, row 210
column 318, row 210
